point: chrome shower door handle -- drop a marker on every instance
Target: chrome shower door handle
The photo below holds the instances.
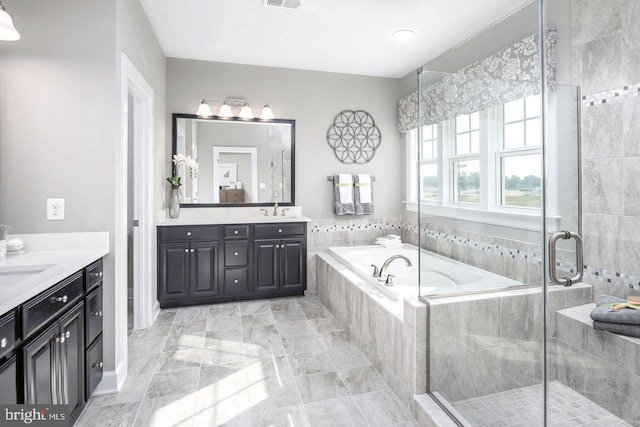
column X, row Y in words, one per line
column 553, row 275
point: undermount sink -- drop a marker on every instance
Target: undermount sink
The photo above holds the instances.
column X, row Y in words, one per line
column 10, row 275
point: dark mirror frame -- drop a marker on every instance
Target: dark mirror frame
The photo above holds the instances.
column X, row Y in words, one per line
column 174, row 143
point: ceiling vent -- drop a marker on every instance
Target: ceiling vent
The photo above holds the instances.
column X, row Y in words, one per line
column 290, row 4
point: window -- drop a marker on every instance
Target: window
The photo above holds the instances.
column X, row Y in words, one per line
column 519, row 155
column 486, row 161
column 429, row 164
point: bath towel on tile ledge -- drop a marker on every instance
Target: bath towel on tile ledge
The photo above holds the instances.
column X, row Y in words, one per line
column 625, row 316
column 343, row 194
column 363, row 194
column 618, row 328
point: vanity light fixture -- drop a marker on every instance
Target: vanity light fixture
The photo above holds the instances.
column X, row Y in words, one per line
column 267, row 113
column 8, row 31
column 403, row 35
column 204, row 110
column 225, row 110
column 246, row 112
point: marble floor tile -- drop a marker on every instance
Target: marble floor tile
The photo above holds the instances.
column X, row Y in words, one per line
column 222, row 323
column 219, row 382
column 363, row 379
column 285, row 304
column 179, row 359
column 197, row 327
column 176, row 411
column 226, row 340
column 222, row 417
column 142, row 364
column 294, row 329
column 310, row 363
column 121, row 415
column 173, row 382
column 133, row 390
column 254, row 307
column 165, row 316
column 292, row 416
column 224, row 310
column 382, row 408
column 191, row 314
column 249, row 320
column 271, row 368
column 336, row 339
column 181, row 342
column 262, row 342
column 340, row 412
column 159, row 331
column 288, row 315
column 302, row 344
column 272, row 394
column 347, row 357
column 322, row 386
column 329, row 324
column 146, row 346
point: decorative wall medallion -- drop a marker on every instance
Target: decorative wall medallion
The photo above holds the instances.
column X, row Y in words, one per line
column 354, row 137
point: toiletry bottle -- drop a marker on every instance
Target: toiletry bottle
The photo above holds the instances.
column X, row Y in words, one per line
column 3, row 240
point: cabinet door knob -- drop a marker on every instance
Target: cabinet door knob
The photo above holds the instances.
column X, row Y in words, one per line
column 235, row 232
column 62, row 299
column 279, row 230
column 186, row 250
column 97, row 365
column 191, row 250
column 188, row 233
column 67, row 334
column 236, row 253
column 3, row 343
column 235, row 281
column 97, row 313
column 99, row 274
column 60, row 339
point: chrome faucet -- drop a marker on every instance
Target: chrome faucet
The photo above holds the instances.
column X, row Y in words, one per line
column 275, row 209
column 385, row 265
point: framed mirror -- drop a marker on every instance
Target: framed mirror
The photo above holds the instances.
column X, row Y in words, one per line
column 241, row 162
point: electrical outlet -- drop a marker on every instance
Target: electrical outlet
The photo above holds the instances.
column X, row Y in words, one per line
column 55, row 209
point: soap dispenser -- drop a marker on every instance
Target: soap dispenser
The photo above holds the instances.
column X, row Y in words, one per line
column 3, row 240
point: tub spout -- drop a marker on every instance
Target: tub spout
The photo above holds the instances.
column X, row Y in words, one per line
column 384, row 267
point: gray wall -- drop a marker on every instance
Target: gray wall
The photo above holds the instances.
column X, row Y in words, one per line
column 59, row 117
column 312, row 99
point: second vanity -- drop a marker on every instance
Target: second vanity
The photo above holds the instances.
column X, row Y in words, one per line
column 233, row 255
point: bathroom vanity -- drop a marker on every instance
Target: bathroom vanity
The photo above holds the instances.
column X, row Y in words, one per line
column 227, row 261
column 51, row 328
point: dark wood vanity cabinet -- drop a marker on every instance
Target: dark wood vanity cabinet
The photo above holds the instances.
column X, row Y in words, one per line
column 47, row 340
column 251, row 266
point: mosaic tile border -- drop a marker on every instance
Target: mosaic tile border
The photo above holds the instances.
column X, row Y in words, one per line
column 612, row 95
column 354, row 227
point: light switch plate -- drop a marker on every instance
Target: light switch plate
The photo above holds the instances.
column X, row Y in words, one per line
column 55, row 209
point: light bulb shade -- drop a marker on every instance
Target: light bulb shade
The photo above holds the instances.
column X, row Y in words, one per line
column 7, row 30
column 225, row 111
column 246, row 112
column 204, row 110
column 267, row 113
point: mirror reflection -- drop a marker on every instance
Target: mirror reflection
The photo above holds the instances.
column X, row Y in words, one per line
column 242, row 162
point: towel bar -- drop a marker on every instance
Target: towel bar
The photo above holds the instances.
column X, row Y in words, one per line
column 330, row 178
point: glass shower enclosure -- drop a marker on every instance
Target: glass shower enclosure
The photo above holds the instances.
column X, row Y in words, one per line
column 497, row 139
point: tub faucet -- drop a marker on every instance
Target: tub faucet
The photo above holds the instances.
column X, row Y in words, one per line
column 385, row 265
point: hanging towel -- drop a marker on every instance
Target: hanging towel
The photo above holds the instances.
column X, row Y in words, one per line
column 363, row 194
column 343, row 194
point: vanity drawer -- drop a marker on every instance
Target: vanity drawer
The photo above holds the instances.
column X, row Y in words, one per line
column 93, row 315
column 236, row 281
column 39, row 310
column 236, row 232
column 93, row 275
column 236, row 253
column 188, row 233
column 277, row 230
column 94, row 367
column 7, row 333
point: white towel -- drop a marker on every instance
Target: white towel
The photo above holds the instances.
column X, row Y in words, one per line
column 345, row 187
column 364, row 182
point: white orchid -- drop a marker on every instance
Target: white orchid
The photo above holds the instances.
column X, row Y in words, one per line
column 188, row 162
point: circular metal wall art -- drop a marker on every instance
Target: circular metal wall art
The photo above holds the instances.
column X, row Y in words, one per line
column 354, row 137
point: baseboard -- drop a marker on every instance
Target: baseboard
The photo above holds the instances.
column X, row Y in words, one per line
column 112, row 381
column 155, row 311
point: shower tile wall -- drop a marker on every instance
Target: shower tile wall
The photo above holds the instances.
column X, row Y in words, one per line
column 322, row 234
column 606, row 65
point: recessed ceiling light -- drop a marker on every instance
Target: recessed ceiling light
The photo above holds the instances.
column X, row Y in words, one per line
column 403, row 35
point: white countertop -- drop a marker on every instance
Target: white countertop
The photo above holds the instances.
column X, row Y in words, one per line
column 42, row 266
column 238, row 215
